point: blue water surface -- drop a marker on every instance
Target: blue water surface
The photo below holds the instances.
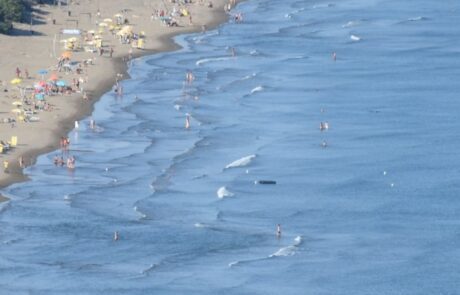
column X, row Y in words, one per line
column 368, row 206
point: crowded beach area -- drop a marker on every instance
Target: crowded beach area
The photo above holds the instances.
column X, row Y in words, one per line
column 54, row 69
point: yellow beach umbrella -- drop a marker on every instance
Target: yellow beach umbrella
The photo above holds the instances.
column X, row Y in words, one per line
column 91, row 32
column 108, row 20
column 16, row 111
column 118, row 15
column 17, row 103
column 103, row 25
column 16, row 81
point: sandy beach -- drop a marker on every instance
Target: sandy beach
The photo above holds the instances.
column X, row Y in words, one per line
column 36, row 48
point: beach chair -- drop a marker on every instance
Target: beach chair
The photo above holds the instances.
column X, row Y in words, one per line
column 14, row 141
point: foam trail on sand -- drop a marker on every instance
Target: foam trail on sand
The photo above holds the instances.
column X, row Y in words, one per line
column 241, row 162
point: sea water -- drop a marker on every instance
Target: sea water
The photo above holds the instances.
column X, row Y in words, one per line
column 367, row 206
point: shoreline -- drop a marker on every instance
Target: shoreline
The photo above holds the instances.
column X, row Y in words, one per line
column 99, row 86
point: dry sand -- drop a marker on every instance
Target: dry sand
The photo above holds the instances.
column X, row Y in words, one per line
column 35, row 52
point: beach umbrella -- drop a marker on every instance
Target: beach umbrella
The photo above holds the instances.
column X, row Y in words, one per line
column 53, row 77
column 16, row 81
column 61, row 83
column 42, row 72
column 103, row 25
column 91, row 32
column 17, row 103
column 118, row 15
column 40, row 96
column 66, row 54
column 16, row 111
column 108, row 20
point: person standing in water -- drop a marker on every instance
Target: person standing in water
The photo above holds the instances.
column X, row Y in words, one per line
column 187, row 121
column 278, row 230
column 115, row 236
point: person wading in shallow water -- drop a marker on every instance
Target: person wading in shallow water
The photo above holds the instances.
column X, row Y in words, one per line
column 278, row 230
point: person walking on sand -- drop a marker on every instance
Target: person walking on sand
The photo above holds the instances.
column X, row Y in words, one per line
column 5, row 166
column 111, row 51
column 18, row 73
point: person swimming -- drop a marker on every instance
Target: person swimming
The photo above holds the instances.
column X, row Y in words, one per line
column 278, row 230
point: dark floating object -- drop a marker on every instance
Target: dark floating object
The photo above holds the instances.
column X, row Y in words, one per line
column 265, row 182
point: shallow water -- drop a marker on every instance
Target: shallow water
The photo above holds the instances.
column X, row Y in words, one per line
column 374, row 212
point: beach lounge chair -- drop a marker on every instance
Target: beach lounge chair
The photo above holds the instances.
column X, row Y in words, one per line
column 14, row 141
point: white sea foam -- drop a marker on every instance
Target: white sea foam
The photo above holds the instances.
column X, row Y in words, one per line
column 241, row 162
column 223, row 192
column 289, row 250
column 418, row 18
column 355, row 38
column 352, row 23
column 283, row 252
column 141, row 214
column 200, row 225
column 257, row 89
column 206, row 60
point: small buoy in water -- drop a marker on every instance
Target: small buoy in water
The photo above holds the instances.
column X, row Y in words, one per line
column 265, row 182
column 106, row 169
column 247, row 171
column 392, row 184
column 384, row 173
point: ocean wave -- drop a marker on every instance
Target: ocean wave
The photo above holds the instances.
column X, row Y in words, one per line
column 417, row 18
column 223, row 192
column 355, row 38
column 289, row 250
column 257, row 89
column 282, row 252
column 352, row 23
column 206, row 60
column 149, row 269
column 141, row 214
column 241, row 162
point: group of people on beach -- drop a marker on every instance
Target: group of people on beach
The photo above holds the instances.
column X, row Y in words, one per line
column 59, row 161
